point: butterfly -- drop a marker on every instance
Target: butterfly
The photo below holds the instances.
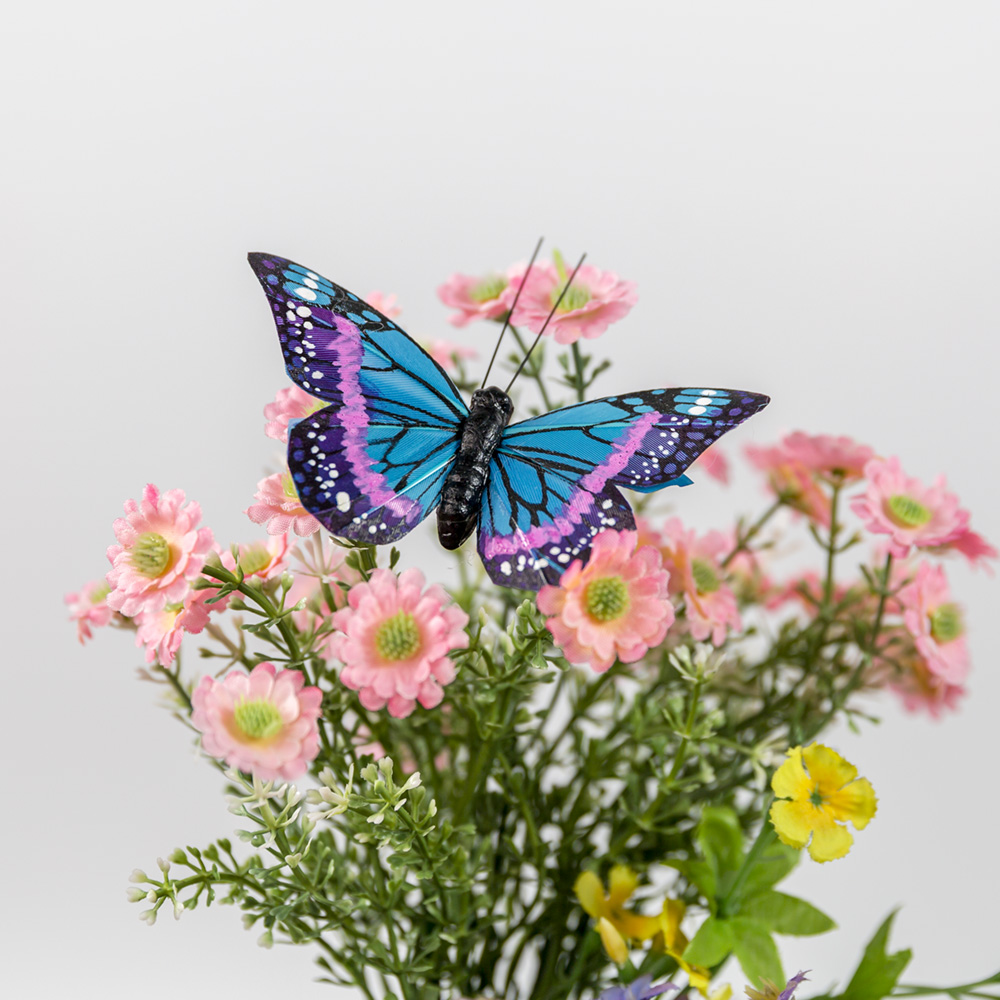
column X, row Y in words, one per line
column 397, row 440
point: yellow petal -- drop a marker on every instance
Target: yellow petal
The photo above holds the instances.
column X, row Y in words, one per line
column 698, row 977
column 590, row 892
column 723, row 992
column 828, row 770
column 614, row 943
column 855, row 802
column 670, row 924
column 793, row 821
column 790, row 781
column 621, row 884
column 830, row 841
column 635, row 926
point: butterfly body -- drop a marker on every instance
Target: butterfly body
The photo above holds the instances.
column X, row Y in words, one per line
column 396, row 440
column 481, row 434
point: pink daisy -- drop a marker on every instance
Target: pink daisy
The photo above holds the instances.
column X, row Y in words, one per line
column 909, row 512
column 832, row 456
column 488, row 297
column 290, row 403
column 695, row 572
column 920, row 689
column 447, row 354
column 935, row 622
column 792, row 480
column 263, row 723
column 89, row 608
column 393, row 639
column 161, row 631
column 279, row 508
column 595, row 300
column 160, row 551
column 614, row 607
column 973, row 546
column 385, row 304
column 262, row 559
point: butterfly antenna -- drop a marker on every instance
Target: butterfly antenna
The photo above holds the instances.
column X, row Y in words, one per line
column 524, row 361
column 506, row 322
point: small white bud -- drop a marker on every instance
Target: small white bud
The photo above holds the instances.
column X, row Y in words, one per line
column 484, row 618
column 292, row 860
column 135, row 895
column 163, row 865
column 151, row 896
column 178, row 909
column 148, row 916
column 138, row 875
column 266, row 940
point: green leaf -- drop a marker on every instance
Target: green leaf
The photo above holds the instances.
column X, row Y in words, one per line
column 712, row 944
column 772, row 866
column 699, row 874
column 878, row 971
column 757, row 952
column 720, row 838
column 784, row 914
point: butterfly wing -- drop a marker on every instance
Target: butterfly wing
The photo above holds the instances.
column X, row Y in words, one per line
column 371, row 464
column 554, row 480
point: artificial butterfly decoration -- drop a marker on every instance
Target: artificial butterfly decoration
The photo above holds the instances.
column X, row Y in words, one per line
column 397, row 440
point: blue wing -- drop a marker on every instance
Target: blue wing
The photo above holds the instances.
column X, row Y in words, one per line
column 371, row 465
column 554, row 479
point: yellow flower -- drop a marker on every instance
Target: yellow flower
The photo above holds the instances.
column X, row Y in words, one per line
column 671, row 939
column 614, row 943
column 818, row 790
column 622, row 882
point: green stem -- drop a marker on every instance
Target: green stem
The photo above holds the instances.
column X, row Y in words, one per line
column 752, row 531
column 175, row 683
column 765, row 838
column 533, row 368
column 581, row 388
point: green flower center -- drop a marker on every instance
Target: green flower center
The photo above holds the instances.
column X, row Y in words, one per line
column 488, row 288
column 398, row 637
column 288, row 487
column 151, row 554
column 705, row 578
column 99, row 593
column 606, row 599
column 259, row 719
column 907, row 512
column 254, row 559
column 576, row 298
column 946, row 623
column 816, row 798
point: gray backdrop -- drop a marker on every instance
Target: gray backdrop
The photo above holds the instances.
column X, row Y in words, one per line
column 806, row 195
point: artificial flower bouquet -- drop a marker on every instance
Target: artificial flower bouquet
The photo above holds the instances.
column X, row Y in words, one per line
column 595, row 790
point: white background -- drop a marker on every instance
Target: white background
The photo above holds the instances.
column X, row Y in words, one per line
column 806, row 195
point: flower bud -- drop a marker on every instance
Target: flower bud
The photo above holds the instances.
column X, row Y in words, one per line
column 138, row 875
column 148, row 916
column 135, row 895
column 266, row 940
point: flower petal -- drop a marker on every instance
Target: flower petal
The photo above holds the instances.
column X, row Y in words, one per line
column 855, row 802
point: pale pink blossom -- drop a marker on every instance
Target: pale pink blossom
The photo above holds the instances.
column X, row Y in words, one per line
column 385, row 304
column 263, row 723
column 715, row 463
column 594, row 301
column 920, row 689
column 793, row 481
column 161, row 631
column 479, row 296
column 935, row 622
column 290, row 403
column 910, row 513
column 445, row 353
column 615, row 607
column 89, row 607
column 393, row 639
column 279, row 508
column 694, row 563
column 160, row 551
column 973, row 546
column 833, row 456
column 262, row 559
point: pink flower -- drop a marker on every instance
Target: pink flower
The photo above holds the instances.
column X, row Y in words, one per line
column 263, row 723
column 261, row 559
column 909, row 512
column 832, row 456
column 445, row 353
column 713, row 463
column 474, row 297
column 290, row 403
column 89, row 607
column 161, row 631
column 614, row 607
column 160, row 551
column 595, row 300
column 279, row 508
column 922, row 689
column 935, row 622
column 792, row 480
column 385, row 304
column 696, row 573
column 393, row 639
column 973, row 546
